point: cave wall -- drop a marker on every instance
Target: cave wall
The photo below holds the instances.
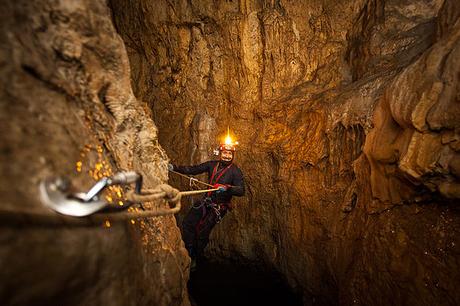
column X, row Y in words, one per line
column 347, row 118
column 67, row 108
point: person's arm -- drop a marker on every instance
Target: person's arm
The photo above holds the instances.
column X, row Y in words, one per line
column 193, row 170
column 237, row 188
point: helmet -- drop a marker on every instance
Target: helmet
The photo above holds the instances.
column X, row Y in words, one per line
column 227, row 147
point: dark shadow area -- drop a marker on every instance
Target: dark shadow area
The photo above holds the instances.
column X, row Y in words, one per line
column 225, row 284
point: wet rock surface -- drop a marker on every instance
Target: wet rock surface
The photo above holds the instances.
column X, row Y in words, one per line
column 347, row 118
column 67, row 108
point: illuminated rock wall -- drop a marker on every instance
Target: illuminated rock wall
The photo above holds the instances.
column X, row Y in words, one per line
column 67, row 108
column 347, row 114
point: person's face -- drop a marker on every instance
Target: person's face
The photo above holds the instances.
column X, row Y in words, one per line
column 226, row 155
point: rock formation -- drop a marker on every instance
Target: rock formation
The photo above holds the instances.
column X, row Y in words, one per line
column 67, row 108
column 347, row 114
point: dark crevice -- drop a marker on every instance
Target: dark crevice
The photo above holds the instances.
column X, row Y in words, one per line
column 102, row 95
column 231, row 283
column 37, row 76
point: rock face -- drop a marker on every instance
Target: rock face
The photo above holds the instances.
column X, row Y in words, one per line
column 347, row 113
column 416, row 128
column 67, row 108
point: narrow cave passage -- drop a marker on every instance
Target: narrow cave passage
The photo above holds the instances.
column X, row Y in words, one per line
column 230, row 283
column 347, row 119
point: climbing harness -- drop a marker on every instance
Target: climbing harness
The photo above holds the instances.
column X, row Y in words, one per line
column 217, row 208
column 208, row 207
column 194, row 181
column 214, row 172
column 206, row 204
column 221, row 172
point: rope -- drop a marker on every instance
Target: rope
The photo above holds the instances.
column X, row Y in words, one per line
column 171, row 194
column 163, row 191
column 191, row 192
column 191, row 178
column 41, row 217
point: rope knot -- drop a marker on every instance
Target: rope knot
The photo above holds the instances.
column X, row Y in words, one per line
column 172, row 195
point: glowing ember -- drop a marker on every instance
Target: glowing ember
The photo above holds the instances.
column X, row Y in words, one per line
column 94, row 163
column 78, row 166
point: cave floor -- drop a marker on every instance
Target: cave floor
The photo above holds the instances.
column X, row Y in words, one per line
column 222, row 284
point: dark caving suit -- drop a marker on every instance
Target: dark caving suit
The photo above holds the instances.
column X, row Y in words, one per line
column 207, row 212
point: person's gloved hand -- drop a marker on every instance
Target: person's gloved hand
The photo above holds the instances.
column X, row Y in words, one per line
column 221, row 188
column 170, row 167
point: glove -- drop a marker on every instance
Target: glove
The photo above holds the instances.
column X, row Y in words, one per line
column 170, row 167
column 221, row 188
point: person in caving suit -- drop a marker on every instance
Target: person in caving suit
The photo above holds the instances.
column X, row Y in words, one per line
column 204, row 214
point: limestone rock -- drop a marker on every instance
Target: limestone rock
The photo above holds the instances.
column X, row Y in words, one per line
column 67, row 108
column 348, row 119
column 421, row 109
column 337, row 105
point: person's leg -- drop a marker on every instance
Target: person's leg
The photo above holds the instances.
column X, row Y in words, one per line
column 191, row 220
column 208, row 223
